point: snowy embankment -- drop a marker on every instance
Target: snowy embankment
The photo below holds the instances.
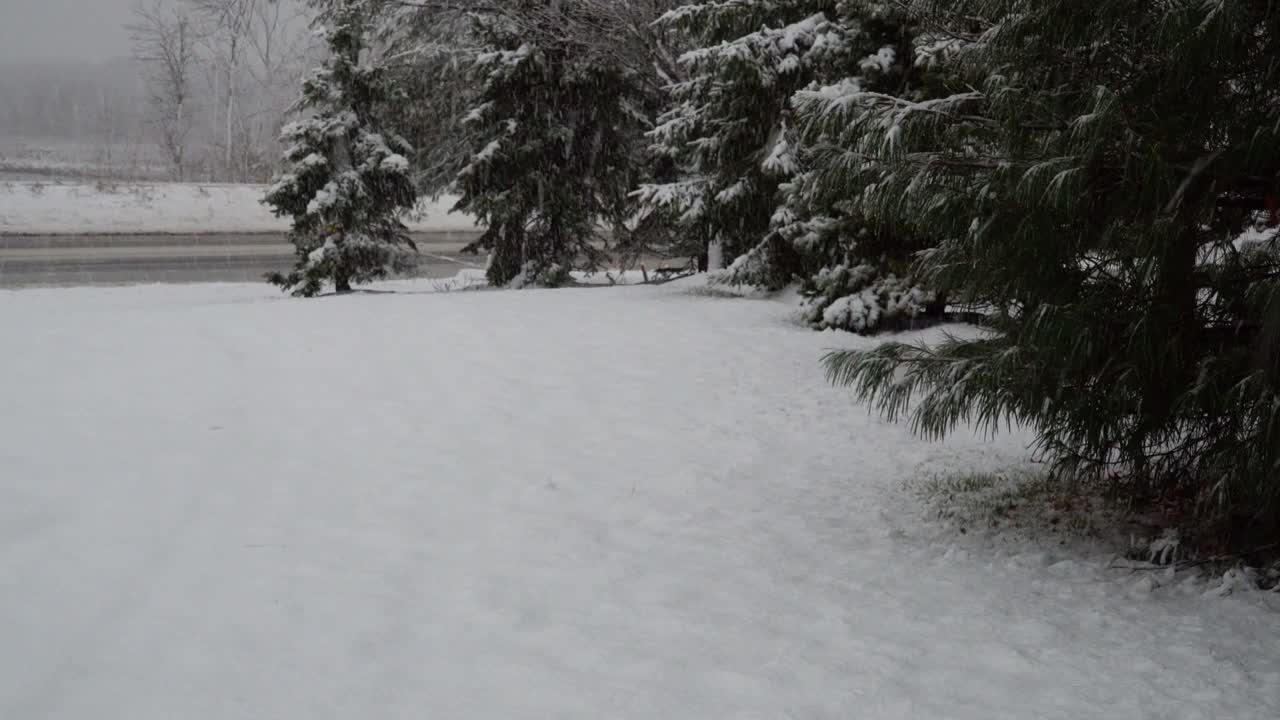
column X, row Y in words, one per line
column 35, row 208
column 627, row 503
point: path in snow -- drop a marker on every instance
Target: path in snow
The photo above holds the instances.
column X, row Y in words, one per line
column 631, row 503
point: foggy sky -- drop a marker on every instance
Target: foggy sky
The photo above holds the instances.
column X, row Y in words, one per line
column 64, row 29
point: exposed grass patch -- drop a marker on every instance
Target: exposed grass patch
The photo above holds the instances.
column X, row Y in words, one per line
column 1032, row 504
column 1027, row 500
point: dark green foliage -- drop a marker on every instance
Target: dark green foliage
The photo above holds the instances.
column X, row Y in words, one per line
column 857, row 273
column 726, row 131
column 822, row 211
column 763, row 171
column 772, row 265
column 349, row 182
column 553, row 141
column 1093, row 172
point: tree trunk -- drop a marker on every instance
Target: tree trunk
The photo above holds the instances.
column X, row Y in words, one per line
column 1170, row 338
column 230, row 132
column 1269, row 339
column 715, row 255
column 231, row 103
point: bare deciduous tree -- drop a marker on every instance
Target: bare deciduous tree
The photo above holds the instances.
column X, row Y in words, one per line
column 276, row 62
column 256, row 51
column 164, row 41
column 227, row 27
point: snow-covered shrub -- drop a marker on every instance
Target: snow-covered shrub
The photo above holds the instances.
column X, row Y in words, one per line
column 1236, row 580
column 771, row 265
column 1166, row 549
column 535, row 274
column 861, row 299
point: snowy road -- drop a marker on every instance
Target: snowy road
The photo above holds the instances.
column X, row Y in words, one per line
column 607, row 503
column 29, row 260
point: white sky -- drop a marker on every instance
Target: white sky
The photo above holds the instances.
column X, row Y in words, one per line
column 64, row 29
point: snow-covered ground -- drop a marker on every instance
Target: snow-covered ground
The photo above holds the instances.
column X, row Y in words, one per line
column 216, row 502
column 95, row 209
column 48, row 158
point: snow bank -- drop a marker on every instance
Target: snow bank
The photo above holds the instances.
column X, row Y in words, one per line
column 217, row 502
column 71, row 208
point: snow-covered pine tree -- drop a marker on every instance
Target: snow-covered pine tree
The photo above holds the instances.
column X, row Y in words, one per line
column 854, row 273
column 553, row 136
column 1100, row 188
column 349, row 182
column 431, row 46
column 726, row 131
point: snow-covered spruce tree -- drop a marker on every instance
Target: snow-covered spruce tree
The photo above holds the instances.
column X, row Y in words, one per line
column 856, row 272
column 757, row 187
column 553, row 137
column 1099, row 189
column 726, row 130
column 349, row 182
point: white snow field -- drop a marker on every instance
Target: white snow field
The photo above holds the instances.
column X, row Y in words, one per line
column 58, row 208
column 216, row 502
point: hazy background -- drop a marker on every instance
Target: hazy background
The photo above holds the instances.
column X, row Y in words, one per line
column 63, row 29
column 76, row 104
